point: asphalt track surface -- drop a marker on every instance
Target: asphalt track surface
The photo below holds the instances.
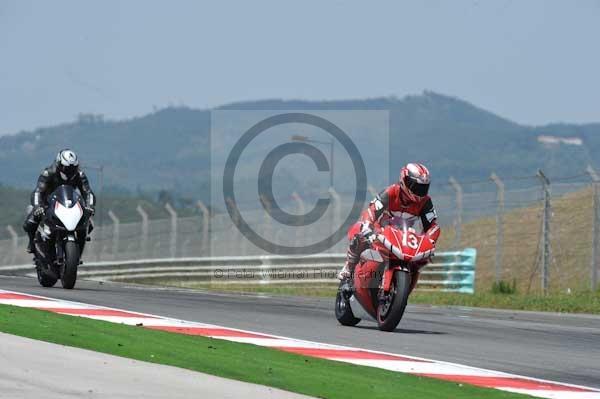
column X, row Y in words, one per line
column 35, row 369
column 558, row 347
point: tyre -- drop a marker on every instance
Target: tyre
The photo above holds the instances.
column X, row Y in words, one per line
column 343, row 312
column 391, row 310
column 69, row 275
column 45, row 279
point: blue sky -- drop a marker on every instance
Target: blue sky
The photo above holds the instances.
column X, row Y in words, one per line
column 530, row 61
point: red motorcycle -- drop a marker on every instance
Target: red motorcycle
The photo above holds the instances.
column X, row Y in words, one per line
column 381, row 282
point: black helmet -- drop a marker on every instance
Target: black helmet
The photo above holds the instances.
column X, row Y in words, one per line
column 67, row 164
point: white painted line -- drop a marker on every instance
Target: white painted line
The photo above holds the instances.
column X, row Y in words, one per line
column 423, row 367
column 540, row 393
column 279, row 342
column 42, row 304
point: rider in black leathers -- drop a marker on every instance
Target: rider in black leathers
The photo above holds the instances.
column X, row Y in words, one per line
column 64, row 170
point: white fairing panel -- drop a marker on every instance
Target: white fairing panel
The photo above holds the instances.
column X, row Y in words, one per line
column 358, row 311
column 69, row 217
column 372, row 255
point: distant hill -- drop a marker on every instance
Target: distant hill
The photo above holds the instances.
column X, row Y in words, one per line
column 156, row 151
column 169, row 149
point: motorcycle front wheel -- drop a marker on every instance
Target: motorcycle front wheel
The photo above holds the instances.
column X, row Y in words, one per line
column 69, row 274
column 391, row 309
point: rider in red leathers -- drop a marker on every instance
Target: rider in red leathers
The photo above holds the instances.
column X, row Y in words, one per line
column 407, row 200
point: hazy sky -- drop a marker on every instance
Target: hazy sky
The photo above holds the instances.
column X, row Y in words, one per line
column 531, row 61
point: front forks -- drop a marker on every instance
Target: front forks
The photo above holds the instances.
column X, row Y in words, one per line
column 347, row 288
column 386, row 279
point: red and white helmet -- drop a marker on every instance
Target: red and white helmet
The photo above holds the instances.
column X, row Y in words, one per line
column 414, row 182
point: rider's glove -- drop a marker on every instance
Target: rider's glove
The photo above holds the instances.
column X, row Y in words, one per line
column 38, row 211
column 366, row 229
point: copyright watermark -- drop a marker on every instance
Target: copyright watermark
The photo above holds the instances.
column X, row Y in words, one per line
column 290, row 183
column 232, row 274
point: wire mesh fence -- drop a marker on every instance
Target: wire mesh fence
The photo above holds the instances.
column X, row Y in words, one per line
column 507, row 227
column 541, row 244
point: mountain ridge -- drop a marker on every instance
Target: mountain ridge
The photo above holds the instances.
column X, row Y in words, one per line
column 453, row 136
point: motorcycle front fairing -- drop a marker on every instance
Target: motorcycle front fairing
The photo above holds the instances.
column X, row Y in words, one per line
column 65, row 210
column 407, row 248
column 367, row 275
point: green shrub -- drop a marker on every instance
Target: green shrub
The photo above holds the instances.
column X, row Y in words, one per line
column 504, row 287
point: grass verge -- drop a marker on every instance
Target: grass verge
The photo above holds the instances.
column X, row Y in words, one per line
column 576, row 302
column 310, row 376
column 579, row 302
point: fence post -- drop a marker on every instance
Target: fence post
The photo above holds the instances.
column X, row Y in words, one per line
column 15, row 243
column 301, row 211
column 595, row 262
column 372, row 191
column 205, row 226
column 116, row 230
column 268, row 227
column 499, row 224
column 459, row 210
column 336, row 213
column 337, row 204
column 236, row 233
column 545, row 230
column 144, row 238
column 173, row 214
column 184, row 247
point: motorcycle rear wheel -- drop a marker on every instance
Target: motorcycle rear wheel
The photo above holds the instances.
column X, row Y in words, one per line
column 44, row 278
column 69, row 275
column 343, row 312
column 390, row 312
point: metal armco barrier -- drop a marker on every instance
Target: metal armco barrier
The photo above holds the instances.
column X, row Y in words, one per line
column 449, row 271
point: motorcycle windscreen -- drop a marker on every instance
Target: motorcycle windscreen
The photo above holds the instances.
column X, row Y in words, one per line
column 406, row 220
column 66, row 195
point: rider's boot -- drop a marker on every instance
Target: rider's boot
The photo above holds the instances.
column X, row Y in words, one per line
column 30, row 226
column 352, row 258
column 348, row 269
column 30, row 244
